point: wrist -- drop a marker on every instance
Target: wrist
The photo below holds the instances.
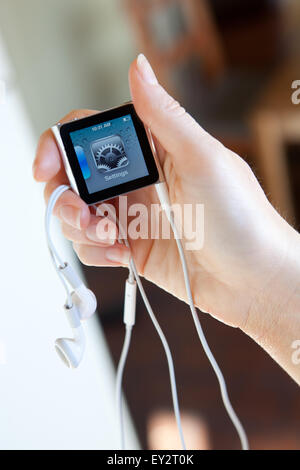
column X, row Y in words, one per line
column 274, row 316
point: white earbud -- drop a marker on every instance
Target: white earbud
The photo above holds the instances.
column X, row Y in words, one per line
column 84, row 305
column 71, row 350
column 81, row 302
column 83, row 297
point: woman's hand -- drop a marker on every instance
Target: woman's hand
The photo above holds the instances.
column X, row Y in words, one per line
column 247, row 247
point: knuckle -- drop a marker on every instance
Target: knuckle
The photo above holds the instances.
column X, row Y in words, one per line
column 173, row 106
column 78, row 114
column 73, row 113
column 65, row 228
column 216, row 148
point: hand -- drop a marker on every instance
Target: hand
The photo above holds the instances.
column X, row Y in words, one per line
column 247, row 244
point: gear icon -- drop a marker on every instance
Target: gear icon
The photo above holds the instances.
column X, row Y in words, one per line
column 110, row 156
column 103, row 166
column 122, row 161
column 109, row 153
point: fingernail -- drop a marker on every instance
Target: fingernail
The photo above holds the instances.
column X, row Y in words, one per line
column 108, row 237
column 118, row 255
column 71, row 215
column 146, row 70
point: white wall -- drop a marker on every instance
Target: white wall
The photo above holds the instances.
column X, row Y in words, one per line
column 43, row 405
column 67, row 54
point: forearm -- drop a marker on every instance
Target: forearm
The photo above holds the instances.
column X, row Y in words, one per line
column 274, row 319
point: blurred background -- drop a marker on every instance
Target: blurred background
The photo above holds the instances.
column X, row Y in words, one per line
column 231, row 63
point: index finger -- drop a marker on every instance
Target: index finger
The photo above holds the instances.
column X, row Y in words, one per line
column 47, row 162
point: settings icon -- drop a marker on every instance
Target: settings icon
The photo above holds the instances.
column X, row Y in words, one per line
column 109, row 153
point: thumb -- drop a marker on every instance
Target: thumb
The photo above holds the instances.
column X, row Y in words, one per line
column 174, row 128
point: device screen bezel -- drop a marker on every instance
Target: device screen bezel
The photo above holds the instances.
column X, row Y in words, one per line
column 98, row 118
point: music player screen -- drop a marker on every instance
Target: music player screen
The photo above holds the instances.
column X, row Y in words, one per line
column 109, row 153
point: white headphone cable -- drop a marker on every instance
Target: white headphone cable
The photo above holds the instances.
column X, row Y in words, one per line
column 58, row 263
column 163, row 195
column 132, row 272
column 161, row 335
column 119, row 380
column 53, row 252
column 166, row 206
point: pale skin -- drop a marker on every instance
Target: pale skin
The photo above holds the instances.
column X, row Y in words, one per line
column 247, row 274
